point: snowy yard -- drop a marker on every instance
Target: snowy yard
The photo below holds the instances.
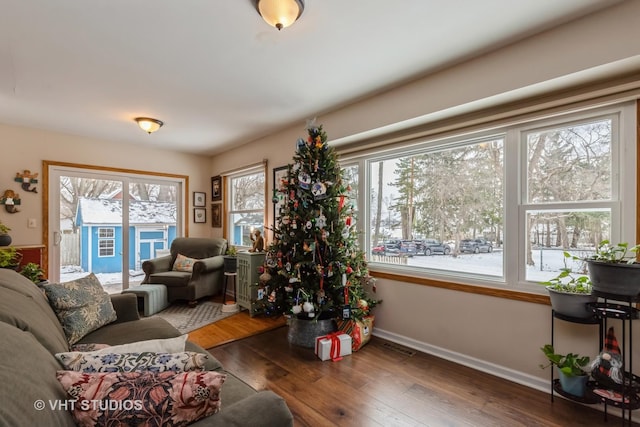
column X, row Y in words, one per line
column 490, row 264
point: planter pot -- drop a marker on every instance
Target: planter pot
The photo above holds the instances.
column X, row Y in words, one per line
column 615, row 278
column 573, row 385
column 230, row 264
column 574, row 305
column 303, row 332
column 5, row 240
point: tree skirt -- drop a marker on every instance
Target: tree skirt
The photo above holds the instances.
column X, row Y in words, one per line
column 187, row 319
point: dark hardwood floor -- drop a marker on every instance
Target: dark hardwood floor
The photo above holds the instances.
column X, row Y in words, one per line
column 388, row 385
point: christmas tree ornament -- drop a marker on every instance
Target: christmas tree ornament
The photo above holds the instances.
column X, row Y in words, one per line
column 345, row 232
column 265, row 277
column 296, row 309
column 305, row 180
column 319, row 191
column 300, row 144
column 321, row 221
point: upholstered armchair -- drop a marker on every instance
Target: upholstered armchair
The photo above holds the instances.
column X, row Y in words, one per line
column 193, row 270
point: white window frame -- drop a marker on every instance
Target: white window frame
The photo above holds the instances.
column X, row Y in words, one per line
column 110, row 237
column 231, row 212
column 622, row 204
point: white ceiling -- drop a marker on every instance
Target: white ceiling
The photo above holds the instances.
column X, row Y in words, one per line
column 217, row 75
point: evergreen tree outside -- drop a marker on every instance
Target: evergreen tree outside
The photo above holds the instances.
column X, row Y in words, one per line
column 313, row 268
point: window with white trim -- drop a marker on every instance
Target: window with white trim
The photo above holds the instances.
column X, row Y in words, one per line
column 106, row 242
column 500, row 206
column 246, row 201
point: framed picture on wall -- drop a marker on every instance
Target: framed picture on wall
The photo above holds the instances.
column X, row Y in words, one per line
column 216, row 215
column 216, row 188
column 199, row 199
column 278, row 198
column 199, row 215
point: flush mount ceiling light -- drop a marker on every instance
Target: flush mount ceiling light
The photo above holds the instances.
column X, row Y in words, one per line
column 280, row 13
column 148, row 124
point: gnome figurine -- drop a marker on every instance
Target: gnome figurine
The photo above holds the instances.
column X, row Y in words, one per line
column 606, row 369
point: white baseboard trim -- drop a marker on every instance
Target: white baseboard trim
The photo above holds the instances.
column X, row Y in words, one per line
column 484, row 366
column 471, row 362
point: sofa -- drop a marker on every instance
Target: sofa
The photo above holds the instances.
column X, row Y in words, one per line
column 194, row 269
column 32, row 334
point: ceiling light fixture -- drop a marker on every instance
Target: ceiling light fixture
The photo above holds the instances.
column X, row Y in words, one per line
column 148, row 125
column 280, row 13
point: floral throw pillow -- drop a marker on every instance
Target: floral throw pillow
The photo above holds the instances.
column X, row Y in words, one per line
column 82, row 306
column 183, row 263
column 142, row 398
column 133, row 362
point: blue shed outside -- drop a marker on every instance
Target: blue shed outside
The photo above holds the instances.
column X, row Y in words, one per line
column 152, row 227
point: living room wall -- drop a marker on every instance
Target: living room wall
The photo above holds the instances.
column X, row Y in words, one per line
column 498, row 335
column 26, row 148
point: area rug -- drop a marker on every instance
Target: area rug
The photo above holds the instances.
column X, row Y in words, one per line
column 187, row 319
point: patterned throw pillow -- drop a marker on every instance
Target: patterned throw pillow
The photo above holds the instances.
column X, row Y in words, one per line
column 183, row 263
column 133, row 362
column 89, row 347
column 82, row 306
column 142, row 398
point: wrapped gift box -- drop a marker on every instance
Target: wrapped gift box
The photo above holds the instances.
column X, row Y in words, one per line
column 359, row 330
column 333, row 346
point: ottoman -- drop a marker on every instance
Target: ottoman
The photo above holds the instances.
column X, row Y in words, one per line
column 152, row 298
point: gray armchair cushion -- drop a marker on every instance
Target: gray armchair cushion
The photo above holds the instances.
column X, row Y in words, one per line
column 207, row 276
column 197, row 247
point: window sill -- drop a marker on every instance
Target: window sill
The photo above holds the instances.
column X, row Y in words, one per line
column 461, row 287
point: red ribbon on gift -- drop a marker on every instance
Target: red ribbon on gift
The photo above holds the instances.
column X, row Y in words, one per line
column 335, row 346
column 334, row 352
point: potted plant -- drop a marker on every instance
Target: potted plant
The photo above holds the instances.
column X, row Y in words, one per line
column 9, row 257
column 231, row 260
column 570, row 293
column 613, row 269
column 5, row 238
column 572, row 371
column 33, row 272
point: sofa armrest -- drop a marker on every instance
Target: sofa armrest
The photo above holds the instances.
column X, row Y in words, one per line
column 207, row 265
column 126, row 307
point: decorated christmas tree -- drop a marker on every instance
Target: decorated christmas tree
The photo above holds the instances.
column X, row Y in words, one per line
column 313, row 267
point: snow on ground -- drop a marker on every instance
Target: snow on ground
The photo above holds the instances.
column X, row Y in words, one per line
column 111, row 282
column 489, row 264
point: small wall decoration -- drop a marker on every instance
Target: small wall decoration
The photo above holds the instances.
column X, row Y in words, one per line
column 216, row 188
column 10, row 199
column 216, row 215
column 199, row 199
column 26, row 178
column 199, row 215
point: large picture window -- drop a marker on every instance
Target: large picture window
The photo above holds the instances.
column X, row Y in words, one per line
column 500, row 206
column 246, row 201
column 439, row 207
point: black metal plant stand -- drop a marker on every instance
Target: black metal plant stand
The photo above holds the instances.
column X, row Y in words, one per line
column 612, row 307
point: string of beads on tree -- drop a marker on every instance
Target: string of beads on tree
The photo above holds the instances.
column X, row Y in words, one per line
column 313, row 268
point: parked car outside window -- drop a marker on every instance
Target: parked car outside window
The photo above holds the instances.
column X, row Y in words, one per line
column 407, row 247
column 432, row 246
column 476, row 245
